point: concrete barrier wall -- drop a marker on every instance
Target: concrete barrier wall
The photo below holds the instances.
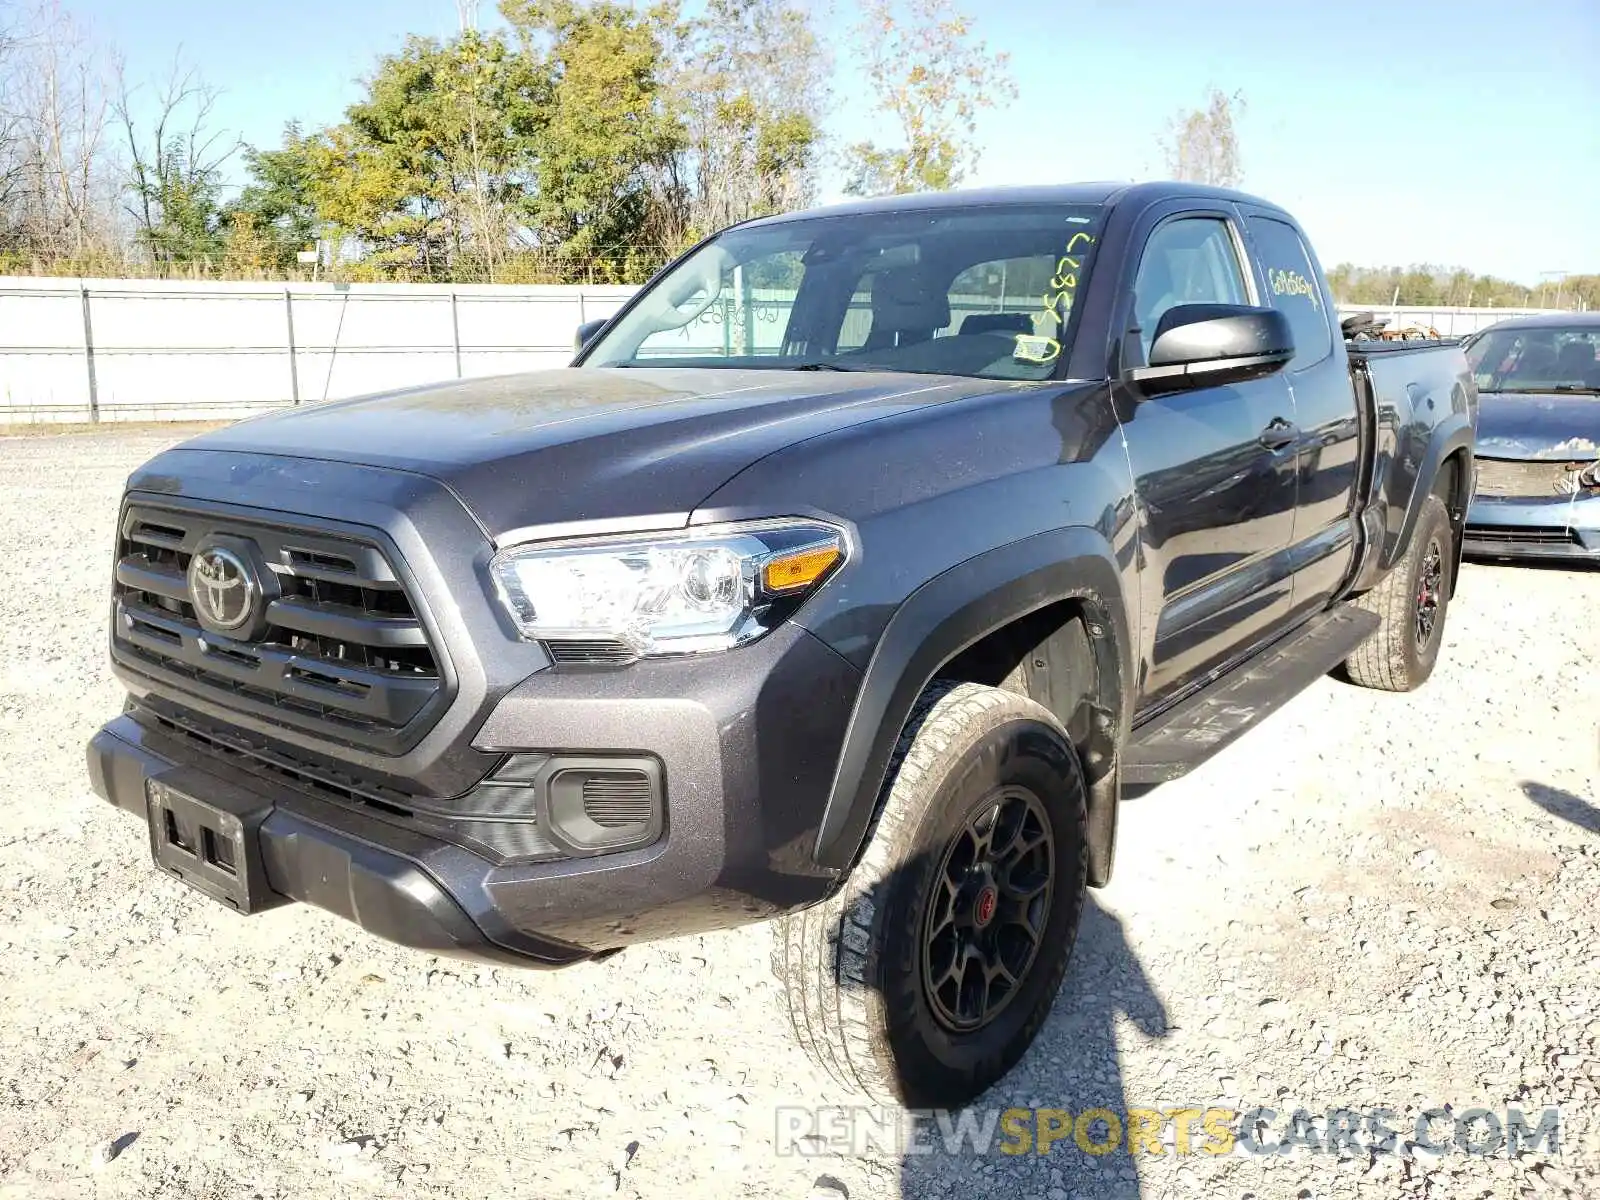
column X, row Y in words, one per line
column 110, row 350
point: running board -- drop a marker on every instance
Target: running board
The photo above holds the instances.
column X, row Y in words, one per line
column 1174, row 742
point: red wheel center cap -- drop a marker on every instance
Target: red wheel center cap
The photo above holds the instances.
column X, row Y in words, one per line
column 983, row 909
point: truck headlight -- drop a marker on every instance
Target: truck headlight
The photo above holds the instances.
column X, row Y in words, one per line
column 667, row 593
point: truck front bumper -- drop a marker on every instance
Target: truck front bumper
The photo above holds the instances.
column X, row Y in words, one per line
column 747, row 750
column 316, row 857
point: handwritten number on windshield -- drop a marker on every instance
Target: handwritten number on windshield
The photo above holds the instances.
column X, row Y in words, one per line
column 1057, row 302
column 1064, row 283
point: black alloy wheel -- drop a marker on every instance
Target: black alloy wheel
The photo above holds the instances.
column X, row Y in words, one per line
column 1430, row 591
column 988, row 910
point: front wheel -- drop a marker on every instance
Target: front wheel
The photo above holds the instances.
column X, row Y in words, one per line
column 927, row 976
column 1410, row 603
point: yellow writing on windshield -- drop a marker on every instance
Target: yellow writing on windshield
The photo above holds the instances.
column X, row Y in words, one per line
column 1064, row 283
column 1057, row 305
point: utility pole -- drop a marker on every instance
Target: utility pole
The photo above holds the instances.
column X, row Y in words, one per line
column 467, row 12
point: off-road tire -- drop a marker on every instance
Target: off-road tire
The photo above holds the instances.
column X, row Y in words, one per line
column 851, row 968
column 1394, row 658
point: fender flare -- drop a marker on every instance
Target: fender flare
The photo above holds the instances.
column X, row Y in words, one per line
column 1451, row 435
column 943, row 617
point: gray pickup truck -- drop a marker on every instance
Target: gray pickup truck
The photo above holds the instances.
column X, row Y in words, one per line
column 847, row 578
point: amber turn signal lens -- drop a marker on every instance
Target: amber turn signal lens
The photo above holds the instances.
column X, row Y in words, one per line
column 800, row 569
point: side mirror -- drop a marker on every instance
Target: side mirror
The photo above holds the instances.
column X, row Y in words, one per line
column 586, row 333
column 1208, row 345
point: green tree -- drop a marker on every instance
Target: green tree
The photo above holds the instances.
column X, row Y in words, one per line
column 750, row 84
column 590, row 140
column 930, row 78
column 605, row 134
column 427, row 170
column 364, row 195
column 277, row 210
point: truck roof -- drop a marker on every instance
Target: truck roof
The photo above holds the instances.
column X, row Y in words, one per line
column 1105, row 192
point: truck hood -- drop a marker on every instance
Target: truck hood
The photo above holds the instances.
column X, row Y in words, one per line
column 577, row 445
column 1539, row 426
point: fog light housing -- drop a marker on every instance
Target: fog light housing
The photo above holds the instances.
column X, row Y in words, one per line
column 604, row 804
column 581, row 805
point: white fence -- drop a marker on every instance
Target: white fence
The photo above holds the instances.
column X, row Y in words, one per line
column 109, row 350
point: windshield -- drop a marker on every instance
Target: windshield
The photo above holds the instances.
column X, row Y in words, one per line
column 985, row 292
column 1544, row 359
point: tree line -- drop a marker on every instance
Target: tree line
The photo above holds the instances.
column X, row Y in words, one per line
column 1434, row 286
column 586, row 140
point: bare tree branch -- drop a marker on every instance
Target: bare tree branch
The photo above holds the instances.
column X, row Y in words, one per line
column 175, row 159
column 52, row 120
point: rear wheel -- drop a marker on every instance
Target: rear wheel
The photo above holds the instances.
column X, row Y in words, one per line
column 926, row 977
column 1410, row 604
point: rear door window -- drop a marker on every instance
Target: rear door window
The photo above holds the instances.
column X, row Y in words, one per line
column 1293, row 289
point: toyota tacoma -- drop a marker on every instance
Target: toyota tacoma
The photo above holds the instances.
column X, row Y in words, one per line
column 847, row 578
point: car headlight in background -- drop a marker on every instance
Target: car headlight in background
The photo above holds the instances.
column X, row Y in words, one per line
column 678, row 592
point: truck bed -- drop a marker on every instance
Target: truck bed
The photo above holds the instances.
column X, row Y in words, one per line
column 1402, row 389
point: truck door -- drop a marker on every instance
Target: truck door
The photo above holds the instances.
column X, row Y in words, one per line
column 1213, row 467
column 1323, row 543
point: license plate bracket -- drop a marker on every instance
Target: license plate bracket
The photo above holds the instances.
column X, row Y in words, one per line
column 213, row 845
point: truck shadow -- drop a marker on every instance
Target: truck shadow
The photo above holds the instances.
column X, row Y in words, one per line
column 1073, row 1065
column 1557, row 802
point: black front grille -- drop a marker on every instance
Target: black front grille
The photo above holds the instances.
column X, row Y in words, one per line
column 256, row 756
column 1513, row 477
column 340, row 648
column 1527, row 535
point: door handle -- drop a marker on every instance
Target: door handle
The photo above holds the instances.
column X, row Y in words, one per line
column 1279, row 433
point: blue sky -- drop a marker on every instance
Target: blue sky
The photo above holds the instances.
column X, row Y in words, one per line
column 1461, row 133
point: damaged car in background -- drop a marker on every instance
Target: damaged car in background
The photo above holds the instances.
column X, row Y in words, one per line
column 1538, row 453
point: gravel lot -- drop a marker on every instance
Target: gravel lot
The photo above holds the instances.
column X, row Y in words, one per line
column 1371, row 902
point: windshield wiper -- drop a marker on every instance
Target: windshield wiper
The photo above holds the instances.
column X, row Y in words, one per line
column 822, row 366
column 1575, row 387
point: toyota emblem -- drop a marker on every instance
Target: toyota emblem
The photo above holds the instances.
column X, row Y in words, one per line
column 223, row 589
